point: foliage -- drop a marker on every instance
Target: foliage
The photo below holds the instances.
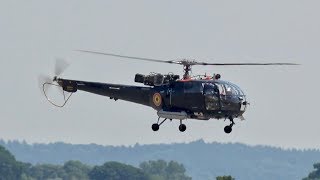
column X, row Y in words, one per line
column 201, row 160
column 225, row 178
column 9, row 167
column 75, row 170
column 117, row 171
column 314, row 175
column 46, row 171
column 160, row 169
column 71, row 170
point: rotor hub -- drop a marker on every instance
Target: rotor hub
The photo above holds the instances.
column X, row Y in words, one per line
column 187, row 70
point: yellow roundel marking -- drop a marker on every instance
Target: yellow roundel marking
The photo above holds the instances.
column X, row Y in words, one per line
column 157, row 99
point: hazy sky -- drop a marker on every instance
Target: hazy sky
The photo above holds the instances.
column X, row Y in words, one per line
column 284, row 100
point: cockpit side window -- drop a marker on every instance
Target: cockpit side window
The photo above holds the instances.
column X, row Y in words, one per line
column 222, row 89
column 209, row 88
column 229, row 89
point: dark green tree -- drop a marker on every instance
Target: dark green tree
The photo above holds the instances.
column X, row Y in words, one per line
column 71, row 170
column 314, row 175
column 117, row 171
column 160, row 169
column 154, row 167
column 9, row 167
column 225, row 178
column 47, row 171
column 75, row 170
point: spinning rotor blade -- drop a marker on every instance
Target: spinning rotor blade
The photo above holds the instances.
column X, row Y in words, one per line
column 60, row 66
column 185, row 62
column 44, row 79
column 244, row 64
column 130, row 57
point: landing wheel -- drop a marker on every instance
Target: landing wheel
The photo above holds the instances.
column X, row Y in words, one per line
column 228, row 129
column 155, row 127
column 182, row 127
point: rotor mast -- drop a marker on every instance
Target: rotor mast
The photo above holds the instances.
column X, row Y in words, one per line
column 186, row 69
column 187, row 64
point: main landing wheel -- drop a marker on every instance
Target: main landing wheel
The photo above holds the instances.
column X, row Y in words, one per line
column 182, row 127
column 228, row 129
column 155, row 127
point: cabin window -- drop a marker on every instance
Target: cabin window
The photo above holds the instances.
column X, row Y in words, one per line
column 209, row 89
column 192, row 87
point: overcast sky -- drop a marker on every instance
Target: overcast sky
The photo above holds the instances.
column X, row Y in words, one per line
column 284, row 100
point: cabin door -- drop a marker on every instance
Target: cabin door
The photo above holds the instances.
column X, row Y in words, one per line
column 212, row 99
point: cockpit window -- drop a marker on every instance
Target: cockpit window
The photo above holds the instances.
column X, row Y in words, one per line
column 230, row 90
column 225, row 88
column 209, row 88
column 222, row 95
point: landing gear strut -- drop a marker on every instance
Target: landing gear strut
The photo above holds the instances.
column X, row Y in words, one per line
column 228, row 128
column 156, row 126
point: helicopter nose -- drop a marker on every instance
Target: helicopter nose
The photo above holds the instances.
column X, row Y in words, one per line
column 245, row 103
column 243, row 106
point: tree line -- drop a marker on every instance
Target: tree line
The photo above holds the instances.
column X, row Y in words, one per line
column 11, row 169
column 201, row 160
column 75, row 170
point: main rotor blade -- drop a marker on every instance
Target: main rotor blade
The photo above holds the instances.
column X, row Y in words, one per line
column 244, row 64
column 184, row 61
column 129, row 57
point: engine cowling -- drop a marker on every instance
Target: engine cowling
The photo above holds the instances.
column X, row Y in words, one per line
column 155, row 79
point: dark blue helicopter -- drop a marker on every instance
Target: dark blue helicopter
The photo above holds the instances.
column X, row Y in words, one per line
column 199, row 97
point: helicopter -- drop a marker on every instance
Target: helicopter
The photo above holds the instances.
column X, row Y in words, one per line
column 200, row 97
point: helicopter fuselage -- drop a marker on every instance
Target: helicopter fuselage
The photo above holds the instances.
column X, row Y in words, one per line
column 202, row 98
column 182, row 99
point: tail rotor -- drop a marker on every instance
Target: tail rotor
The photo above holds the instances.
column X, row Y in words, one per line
column 60, row 66
column 47, row 82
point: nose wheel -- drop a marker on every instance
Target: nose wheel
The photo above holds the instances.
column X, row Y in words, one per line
column 182, row 127
column 228, row 129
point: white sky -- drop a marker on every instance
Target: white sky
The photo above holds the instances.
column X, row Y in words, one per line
column 284, row 100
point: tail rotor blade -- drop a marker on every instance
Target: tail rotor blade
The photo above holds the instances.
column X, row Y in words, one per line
column 43, row 79
column 60, row 66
